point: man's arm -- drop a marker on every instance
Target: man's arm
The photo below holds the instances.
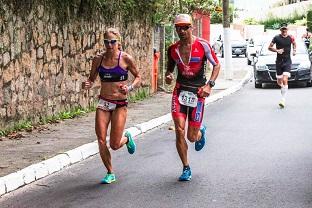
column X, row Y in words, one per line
column 170, row 67
column 212, row 58
column 273, row 49
column 294, row 47
column 215, row 72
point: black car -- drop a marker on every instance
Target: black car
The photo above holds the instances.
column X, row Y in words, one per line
column 265, row 68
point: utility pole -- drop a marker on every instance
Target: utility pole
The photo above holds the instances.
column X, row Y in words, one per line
column 227, row 49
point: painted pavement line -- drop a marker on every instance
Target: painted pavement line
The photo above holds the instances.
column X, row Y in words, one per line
column 47, row 167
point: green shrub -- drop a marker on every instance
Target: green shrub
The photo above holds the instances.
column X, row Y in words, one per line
column 309, row 20
column 302, row 22
column 273, row 22
column 140, row 94
column 251, row 21
column 28, row 124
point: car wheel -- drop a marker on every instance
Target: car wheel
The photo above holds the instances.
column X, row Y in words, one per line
column 309, row 83
column 248, row 62
column 258, row 85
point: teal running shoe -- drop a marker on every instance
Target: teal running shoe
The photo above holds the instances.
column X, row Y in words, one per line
column 130, row 144
column 186, row 175
column 201, row 143
column 109, row 178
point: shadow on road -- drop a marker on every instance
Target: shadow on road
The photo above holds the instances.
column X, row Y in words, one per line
column 290, row 85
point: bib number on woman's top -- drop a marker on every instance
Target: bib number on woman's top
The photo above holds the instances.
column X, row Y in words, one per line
column 188, row 99
column 105, row 105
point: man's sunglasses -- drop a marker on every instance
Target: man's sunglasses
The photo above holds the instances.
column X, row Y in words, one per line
column 112, row 42
column 186, row 27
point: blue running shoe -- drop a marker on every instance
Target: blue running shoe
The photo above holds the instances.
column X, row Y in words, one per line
column 201, row 143
column 186, row 175
column 109, row 178
column 130, row 144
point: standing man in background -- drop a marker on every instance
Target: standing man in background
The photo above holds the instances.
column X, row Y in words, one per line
column 306, row 38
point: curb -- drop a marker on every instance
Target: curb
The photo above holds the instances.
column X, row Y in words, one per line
column 37, row 171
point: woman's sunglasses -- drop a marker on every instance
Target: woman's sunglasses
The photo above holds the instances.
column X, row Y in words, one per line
column 186, row 27
column 112, row 42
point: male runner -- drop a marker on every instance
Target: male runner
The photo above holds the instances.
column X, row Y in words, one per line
column 190, row 55
column 283, row 43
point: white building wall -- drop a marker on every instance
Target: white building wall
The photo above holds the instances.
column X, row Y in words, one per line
column 290, row 9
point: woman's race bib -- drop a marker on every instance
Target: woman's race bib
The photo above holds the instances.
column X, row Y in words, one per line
column 105, row 105
column 188, row 99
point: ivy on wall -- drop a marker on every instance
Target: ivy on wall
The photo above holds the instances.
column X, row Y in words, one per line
column 69, row 10
column 151, row 11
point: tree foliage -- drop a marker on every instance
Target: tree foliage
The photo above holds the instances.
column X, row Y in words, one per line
column 169, row 8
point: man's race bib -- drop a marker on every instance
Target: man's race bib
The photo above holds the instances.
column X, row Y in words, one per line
column 105, row 105
column 188, row 99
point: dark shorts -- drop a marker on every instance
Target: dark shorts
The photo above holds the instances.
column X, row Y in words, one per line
column 194, row 114
column 110, row 105
column 283, row 67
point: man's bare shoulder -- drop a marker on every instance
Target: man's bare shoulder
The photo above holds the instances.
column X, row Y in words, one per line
column 203, row 40
column 173, row 44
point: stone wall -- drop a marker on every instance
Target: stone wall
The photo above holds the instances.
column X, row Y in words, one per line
column 42, row 63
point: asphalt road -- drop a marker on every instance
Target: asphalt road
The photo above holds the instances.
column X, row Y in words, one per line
column 257, row 155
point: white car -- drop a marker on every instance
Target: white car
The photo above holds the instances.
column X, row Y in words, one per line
column 254, row 46
column 238, row 44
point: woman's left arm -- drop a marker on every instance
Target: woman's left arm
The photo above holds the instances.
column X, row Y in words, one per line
column 134, row 71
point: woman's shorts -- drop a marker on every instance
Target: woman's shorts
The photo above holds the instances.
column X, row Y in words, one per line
column 110, row 105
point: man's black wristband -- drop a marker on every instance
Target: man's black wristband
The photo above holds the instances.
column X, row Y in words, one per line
column 211, row 83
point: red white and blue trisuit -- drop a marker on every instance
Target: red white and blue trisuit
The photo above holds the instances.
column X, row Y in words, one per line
column 191, row 76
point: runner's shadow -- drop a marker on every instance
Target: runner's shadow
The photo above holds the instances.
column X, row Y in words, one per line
column 291, row 85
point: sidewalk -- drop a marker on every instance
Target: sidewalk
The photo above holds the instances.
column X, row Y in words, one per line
column 55, row 139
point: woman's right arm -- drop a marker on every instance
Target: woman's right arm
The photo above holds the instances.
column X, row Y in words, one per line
column 95, row 63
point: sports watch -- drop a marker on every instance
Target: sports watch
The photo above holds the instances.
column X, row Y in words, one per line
column 211, row 83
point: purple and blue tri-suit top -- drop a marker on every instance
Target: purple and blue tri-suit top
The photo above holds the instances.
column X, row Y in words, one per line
column 115, row 74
